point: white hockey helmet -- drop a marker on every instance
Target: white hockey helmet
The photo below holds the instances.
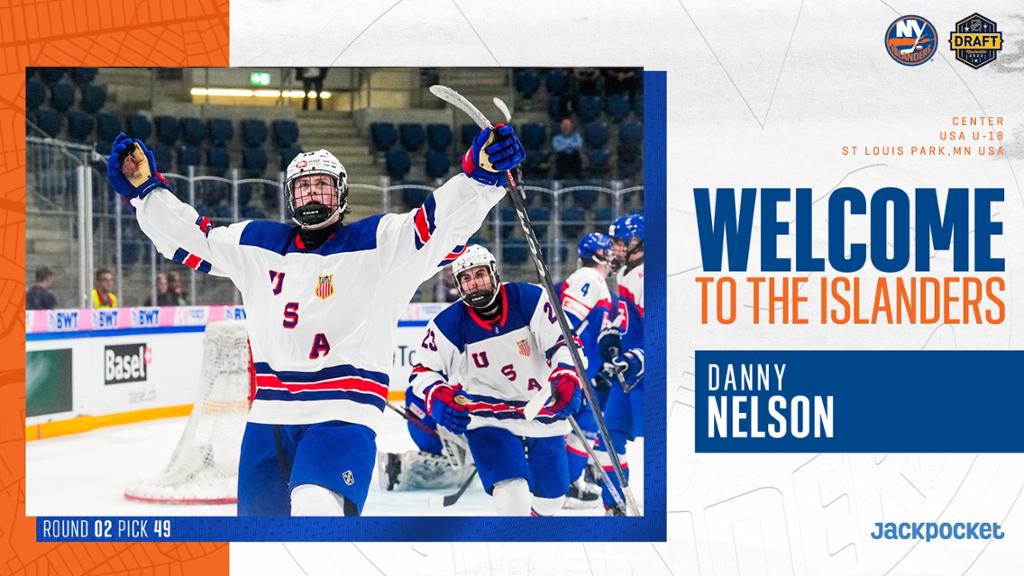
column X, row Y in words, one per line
column 317, row 214
column 476, row 256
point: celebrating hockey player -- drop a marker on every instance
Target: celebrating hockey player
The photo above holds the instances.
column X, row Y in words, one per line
column 621, row 347
column 441, row 460
column 587, row 304
column 482, row 359
column 322, row 299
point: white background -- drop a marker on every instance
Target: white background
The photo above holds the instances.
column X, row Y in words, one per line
column 759, row 94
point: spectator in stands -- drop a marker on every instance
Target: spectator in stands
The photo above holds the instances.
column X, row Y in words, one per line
column 312, row 79
column 161, row 292
column 176, row 295
column 567, row 144
column 588, row 81
column 39, row 296
column 103, row 293
column 618, row 80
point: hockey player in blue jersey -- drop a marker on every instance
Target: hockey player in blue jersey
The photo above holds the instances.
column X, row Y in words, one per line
column 587, row 303
column 481, row 360
column 322, row 300
column 621, row 347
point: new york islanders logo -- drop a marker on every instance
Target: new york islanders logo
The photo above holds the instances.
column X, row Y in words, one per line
column 325, row 286
column 911, row 40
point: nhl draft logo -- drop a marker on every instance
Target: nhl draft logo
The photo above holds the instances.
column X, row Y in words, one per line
column 524, row 347
column 348, row 477
column 910, row 40
column 325, row 286
column 976, row 41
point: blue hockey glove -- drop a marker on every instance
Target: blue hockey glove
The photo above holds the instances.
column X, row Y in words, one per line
column 634, row 372
column 493, row 152
column 445, row 404
column 131, row 168
column 609, row 346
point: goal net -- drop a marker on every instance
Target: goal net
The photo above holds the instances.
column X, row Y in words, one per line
column 204, row 466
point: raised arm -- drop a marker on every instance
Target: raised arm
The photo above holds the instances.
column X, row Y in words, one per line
column 176, row 229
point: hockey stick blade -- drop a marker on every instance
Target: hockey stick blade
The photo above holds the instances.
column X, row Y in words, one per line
column 438, row 501
column 503, row 108
column 459, row 101
column 535, row 405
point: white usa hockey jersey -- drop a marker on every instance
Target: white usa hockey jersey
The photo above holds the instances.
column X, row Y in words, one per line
column 587, row 303
column 322, row 322
column 501, row 364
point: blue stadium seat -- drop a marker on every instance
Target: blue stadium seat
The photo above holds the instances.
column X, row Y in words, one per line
column 595, row 134
column 514, row 251
column 617, row 107
column 51, row 75
column 35, row 94
column 604, row 215
column 540, row 217
column 467, row 133
column 598, row 162
column 629, row 163
column 586, row 197
column 630, row 134
column 83, row 76
column 286, row 133
column 556, row 81
column 555, row 109
column 383, row 136
column 527, row 82
column 638, row 106
column 164, row 158
column 572, row 221
column 253, row 213
column 138, row 126
column 254, row 132
column 536, row 164
column 254, row 161
column 108, row 127
column 193, row 131
column 439, row 136
column 104, row 148
column 93, row 98
column 49, row 121
column 398, row 164
column 188, row 156
column 438, row 164
column 588, row 108
column 533, row 136
column 167, row 130
column 80, row 125
column 412, row 136
column 62, row 96
column 220, row 131
column 286, row 155
column 414, row 197
column 217, row 160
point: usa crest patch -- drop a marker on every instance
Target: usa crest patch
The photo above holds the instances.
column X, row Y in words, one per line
column 325, row 286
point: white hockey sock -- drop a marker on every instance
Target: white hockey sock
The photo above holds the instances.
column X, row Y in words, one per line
column 547, row 506
column 313, row 500
column 512, row 497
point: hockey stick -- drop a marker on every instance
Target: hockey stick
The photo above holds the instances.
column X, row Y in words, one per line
column 459, row 101
column 414, row 421
column 451, row 499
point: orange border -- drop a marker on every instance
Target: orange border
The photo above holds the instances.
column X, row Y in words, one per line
column 78, row 33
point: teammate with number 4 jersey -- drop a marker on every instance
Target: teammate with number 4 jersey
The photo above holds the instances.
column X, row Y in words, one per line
column 481, row 360
column 322, row 300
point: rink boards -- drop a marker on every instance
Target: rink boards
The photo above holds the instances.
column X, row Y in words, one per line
column 91, row 368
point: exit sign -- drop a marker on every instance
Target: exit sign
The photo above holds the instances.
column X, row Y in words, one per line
column 259, row 78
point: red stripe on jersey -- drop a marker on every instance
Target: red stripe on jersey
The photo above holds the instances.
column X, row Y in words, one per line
column 572, row 450
column 419, row 369
column 566, row 295
column 347, row 383
column 422, row 228
column 625, row 293
column 193, row 261
column 499, row 407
